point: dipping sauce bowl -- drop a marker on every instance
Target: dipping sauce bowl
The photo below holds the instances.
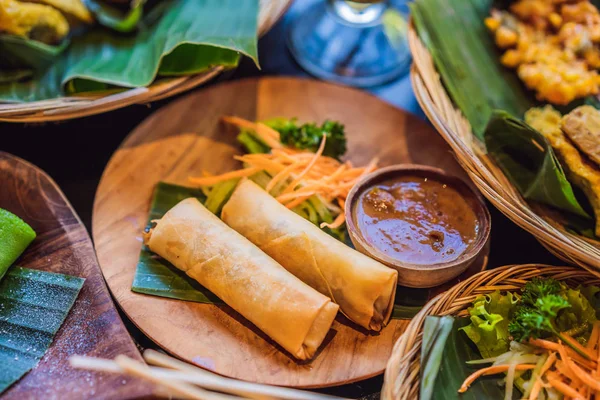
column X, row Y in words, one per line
column 427, row 225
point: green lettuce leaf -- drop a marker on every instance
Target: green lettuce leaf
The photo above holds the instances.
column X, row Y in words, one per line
column 490, row 316
column 529, row 162
column 579, row 317
column 592, row 294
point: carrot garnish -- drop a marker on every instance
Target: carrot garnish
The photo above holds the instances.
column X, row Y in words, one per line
column 495, row 369
column 539, row 383
column 312, row 162
column 213, row 180
column 576, row 345
column 297, row 174
column 558, row 383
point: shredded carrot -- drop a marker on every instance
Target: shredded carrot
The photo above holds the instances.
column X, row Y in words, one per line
column 284, row 174
column 312, row 162
column 548, row 345
column 539, row 383
column 495, row 369
column 565, row 365
column 300, row 174
column 556, row 382
column 213, row 180
column 586, row 378
column 337, row 222
column 575, row 344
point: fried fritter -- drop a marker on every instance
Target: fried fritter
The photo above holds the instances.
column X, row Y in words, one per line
column 579, row 170
column 74, row 8
column 582, row 126
column 34, row 21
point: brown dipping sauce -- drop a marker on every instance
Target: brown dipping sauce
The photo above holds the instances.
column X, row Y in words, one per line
column 416, row 220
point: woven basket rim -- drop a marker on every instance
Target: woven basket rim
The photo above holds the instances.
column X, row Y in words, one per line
column 401, row 379
column 64, row 108
column 454, row 128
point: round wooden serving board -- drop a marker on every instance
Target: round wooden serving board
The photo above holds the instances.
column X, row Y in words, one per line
column 93, row 326
column 186, row 138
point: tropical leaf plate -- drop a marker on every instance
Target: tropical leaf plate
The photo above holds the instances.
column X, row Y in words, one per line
column 176, row 45
column 477, row 105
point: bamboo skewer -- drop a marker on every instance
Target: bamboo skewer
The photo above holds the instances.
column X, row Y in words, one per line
column 190, row 382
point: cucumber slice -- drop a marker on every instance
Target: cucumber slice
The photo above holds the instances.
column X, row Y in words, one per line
column 15, row 236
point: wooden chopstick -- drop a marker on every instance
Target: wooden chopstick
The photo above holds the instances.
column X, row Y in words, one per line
column 184, row 380
column 124, row 364
column 213, row 381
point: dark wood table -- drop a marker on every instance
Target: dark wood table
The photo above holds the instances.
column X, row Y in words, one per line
column 74, row 154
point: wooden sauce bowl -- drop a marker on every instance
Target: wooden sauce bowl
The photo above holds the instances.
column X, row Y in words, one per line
column 420, row 275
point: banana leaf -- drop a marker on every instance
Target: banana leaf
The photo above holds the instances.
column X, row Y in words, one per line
column 33, row 306
column 527, row 159
column 175, row 37
column 22, row 53
column 157, row 277
column 114, row 18
column 443, row 364
column 468, row 61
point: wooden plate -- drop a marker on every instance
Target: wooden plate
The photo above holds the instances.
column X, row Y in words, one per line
column 185, row 138
column 93, row 327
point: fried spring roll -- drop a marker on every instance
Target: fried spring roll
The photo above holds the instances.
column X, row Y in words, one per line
column 249, row 281
column 363, row 287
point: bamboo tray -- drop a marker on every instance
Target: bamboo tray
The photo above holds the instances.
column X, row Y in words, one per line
column 80, row 106
column 401, row 379
column 538, row 220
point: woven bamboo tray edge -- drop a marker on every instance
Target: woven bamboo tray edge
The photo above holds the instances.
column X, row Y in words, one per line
column 401, row 378
column 488, row 178
column 65, row 108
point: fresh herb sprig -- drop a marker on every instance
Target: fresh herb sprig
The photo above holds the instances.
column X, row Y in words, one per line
column 536, row 315
column 308, row 136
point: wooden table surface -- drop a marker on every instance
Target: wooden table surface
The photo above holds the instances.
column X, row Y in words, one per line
column 74, row 154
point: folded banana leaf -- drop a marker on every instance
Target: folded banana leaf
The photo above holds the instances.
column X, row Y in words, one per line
column 467, row 59
column 21, row 53
column 443, row 363
column 175, row 37
column 114, row 18
column 33, row 306
column 528, row 161
column 156, row 276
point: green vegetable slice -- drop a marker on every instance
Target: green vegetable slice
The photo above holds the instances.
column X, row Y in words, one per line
column 530, row 163
column 15, row 236
column 174, row 38
column 33, row 306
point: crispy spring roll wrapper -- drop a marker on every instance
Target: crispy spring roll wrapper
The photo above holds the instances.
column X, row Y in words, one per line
column 194, row 240
column 363, row 288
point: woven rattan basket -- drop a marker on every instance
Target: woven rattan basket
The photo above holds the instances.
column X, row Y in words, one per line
column 402, row 372
column 75, row 107
column 487, row 176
